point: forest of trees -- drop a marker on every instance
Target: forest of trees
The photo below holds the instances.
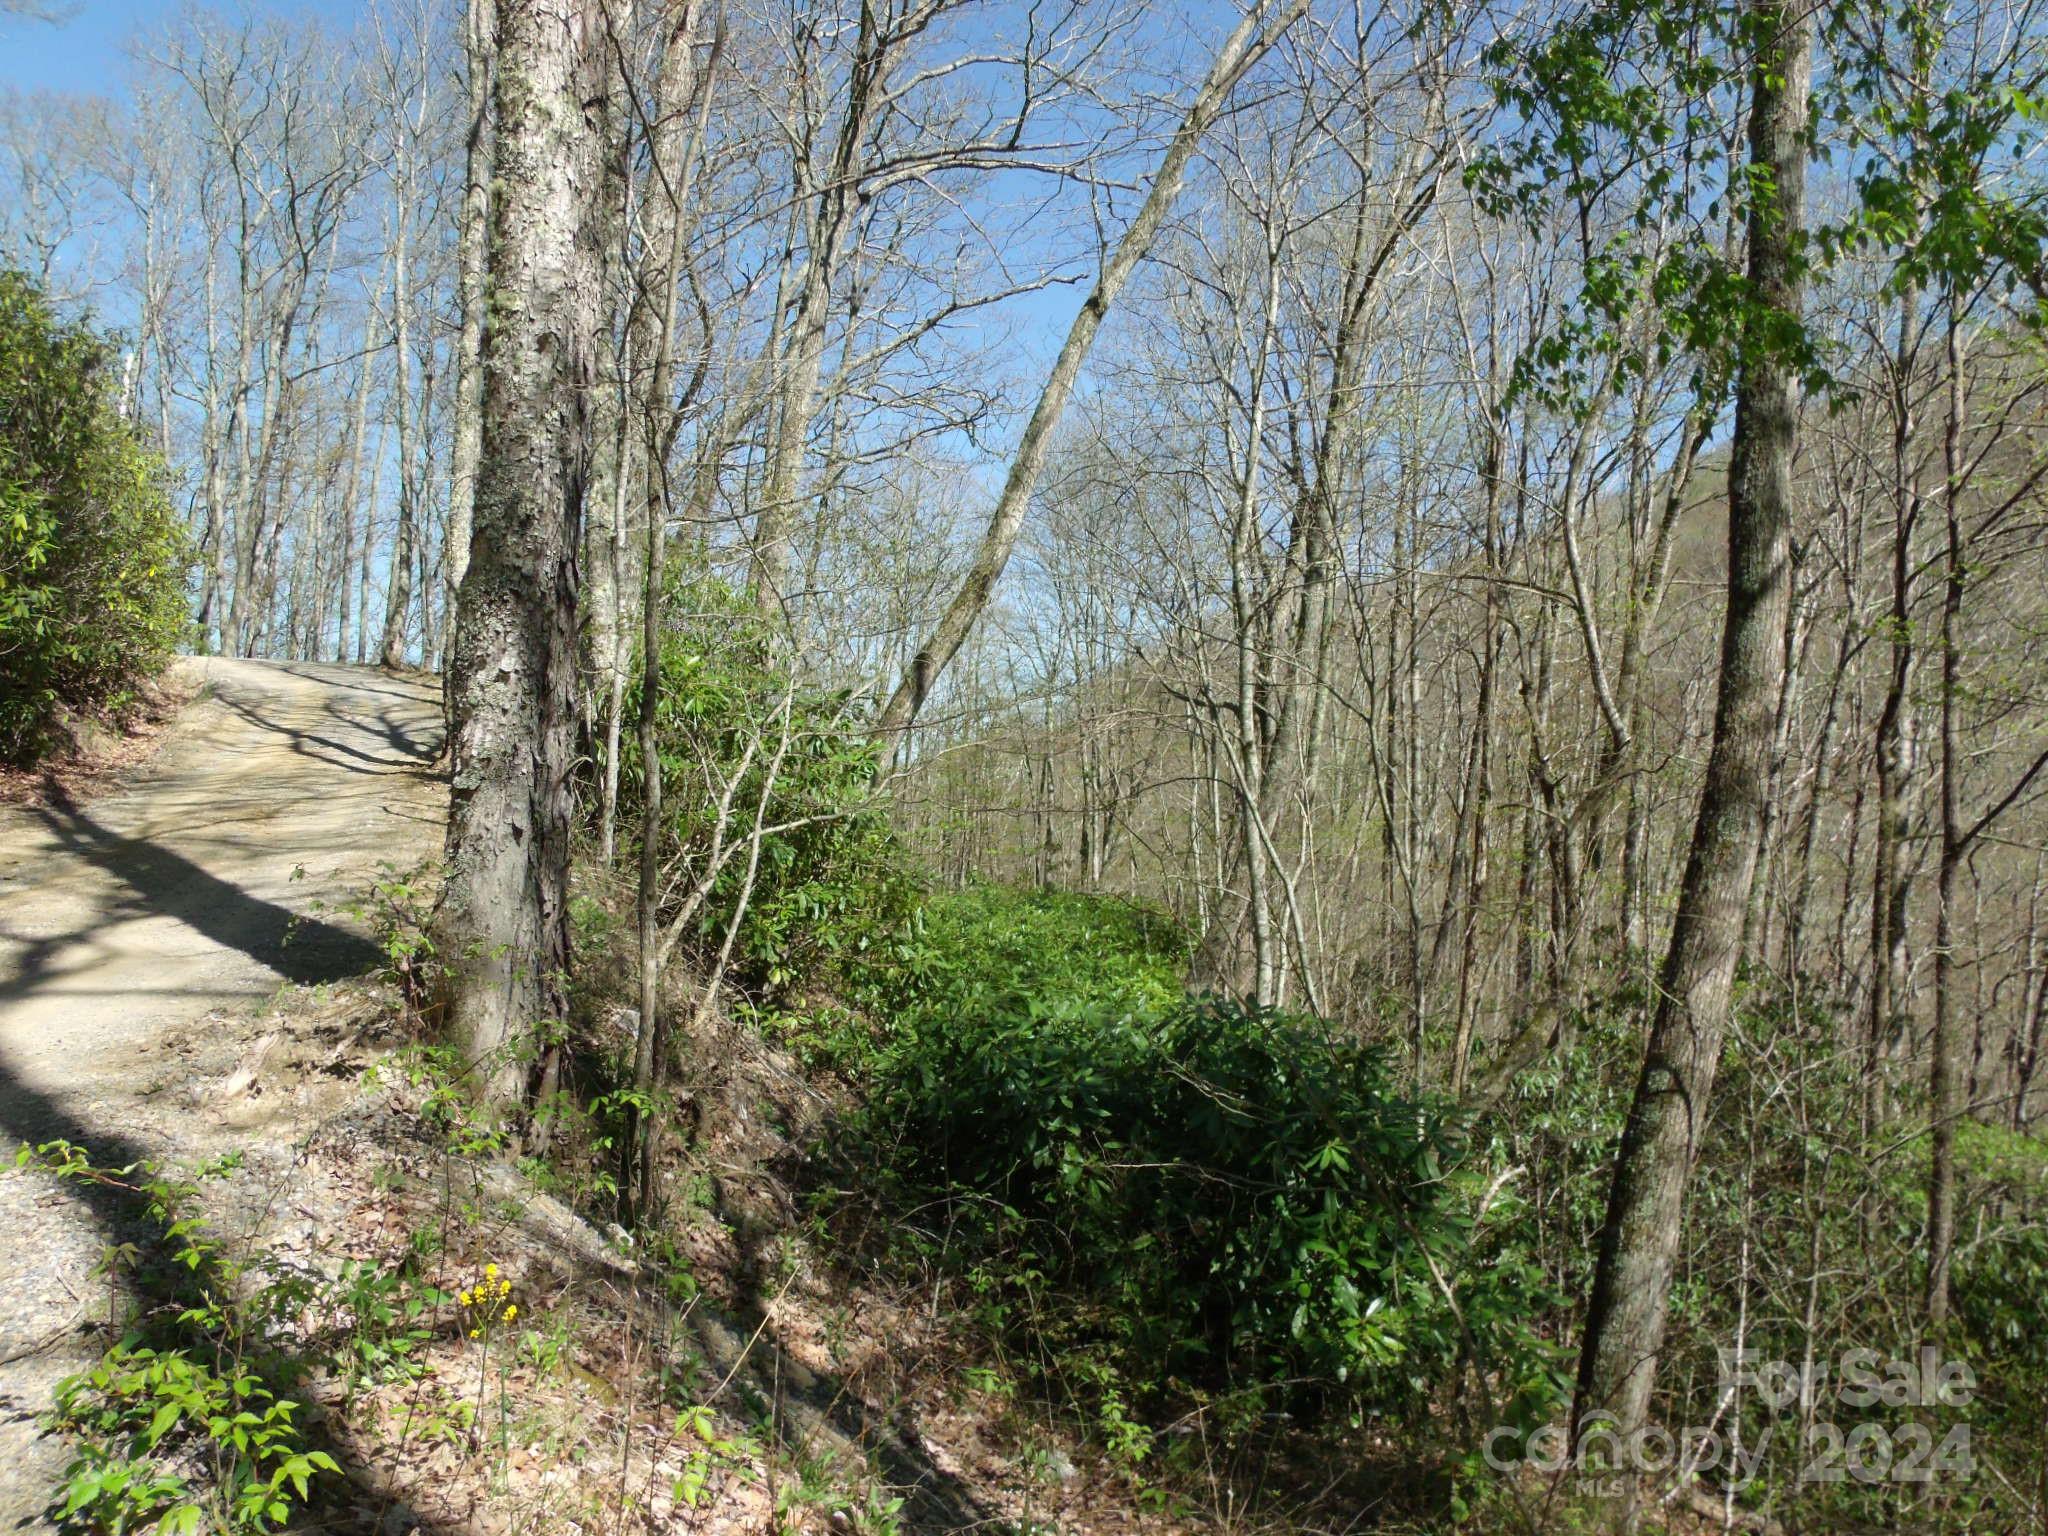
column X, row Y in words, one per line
column 1520, row 533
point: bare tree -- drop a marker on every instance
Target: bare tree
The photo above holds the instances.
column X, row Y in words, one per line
column 1261, row 28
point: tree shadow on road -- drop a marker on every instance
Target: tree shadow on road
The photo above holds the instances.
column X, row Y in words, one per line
column 812, row 1414
column 159, row 882
column 411, row 742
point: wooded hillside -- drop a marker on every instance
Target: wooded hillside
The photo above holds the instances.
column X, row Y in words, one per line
column 1367, row 685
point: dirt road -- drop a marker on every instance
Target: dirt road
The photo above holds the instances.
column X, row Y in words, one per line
column 192, row 892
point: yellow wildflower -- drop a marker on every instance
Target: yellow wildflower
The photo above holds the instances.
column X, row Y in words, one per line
column 511, row 1312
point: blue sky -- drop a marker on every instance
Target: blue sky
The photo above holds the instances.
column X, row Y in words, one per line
column 84, row 52
column 80, row 55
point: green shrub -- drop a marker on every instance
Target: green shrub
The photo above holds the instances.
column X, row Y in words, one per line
column 986, row 945
column 733, row 725
column 92, row 558
column 1200, row 1195
column 1159, row 1196
column 139, row 1412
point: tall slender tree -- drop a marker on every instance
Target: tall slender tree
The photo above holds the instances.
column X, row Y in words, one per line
column 1625, row 1316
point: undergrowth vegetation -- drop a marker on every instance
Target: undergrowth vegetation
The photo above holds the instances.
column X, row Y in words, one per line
column 1803, row 1248
column 1214, row 1197
column 183, row 1425
column 1153, row 1206
column 1149, row 1202
column 1147, row 1209
column 771, row 820
column 1154, row 1203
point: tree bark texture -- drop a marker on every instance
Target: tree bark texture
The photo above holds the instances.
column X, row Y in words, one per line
column 503, row 920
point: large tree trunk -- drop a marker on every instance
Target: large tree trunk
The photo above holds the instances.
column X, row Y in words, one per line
column 1756, row 925
column 613, row 444
column 503, row 921
column 1639, row 1242
column 1897, row 749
